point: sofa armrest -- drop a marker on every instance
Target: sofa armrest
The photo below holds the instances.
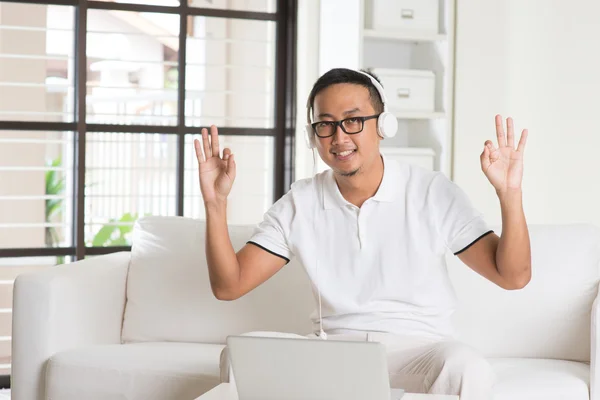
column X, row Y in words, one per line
column 595, row 350
column 61, row 308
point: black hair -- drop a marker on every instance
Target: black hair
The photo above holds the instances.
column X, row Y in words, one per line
column 344, row 75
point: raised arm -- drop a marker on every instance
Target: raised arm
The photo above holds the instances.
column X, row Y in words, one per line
column 231, row 275
column 504, row 260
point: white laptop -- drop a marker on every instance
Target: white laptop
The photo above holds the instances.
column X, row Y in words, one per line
column 267, row 368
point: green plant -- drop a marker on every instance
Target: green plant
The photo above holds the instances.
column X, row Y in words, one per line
column 113, row 233
column 55, row 186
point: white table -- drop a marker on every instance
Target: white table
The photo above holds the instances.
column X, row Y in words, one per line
column 226, row 391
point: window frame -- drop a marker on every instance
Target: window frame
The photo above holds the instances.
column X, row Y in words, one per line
column 285, row 19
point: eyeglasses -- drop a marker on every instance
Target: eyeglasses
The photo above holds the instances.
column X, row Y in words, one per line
column 351, row 126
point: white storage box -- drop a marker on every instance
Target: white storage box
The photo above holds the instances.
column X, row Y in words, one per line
column 404, row 15
column 408, row 90
column 422, row 157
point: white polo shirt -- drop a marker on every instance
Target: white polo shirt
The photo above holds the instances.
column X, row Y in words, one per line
column 380, row 267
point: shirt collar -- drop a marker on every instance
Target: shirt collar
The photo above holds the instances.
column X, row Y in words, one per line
column 387, row 191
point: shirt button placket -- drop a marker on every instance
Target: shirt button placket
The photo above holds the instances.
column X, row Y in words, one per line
column 362, row 226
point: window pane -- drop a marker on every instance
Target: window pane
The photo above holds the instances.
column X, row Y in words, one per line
column 132, row 78
column 252, row 192
column 230, row 74
column 36, row 189
column 36, row 62
column 128, row 175
column 269, row 6
column 10, row 268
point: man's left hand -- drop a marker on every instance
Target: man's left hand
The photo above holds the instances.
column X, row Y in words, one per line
column 503, row 166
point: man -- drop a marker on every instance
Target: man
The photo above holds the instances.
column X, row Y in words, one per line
column 372, row 235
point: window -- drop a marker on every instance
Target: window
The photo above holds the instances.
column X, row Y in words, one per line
column 100, row 102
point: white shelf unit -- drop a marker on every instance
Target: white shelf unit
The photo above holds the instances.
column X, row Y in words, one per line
column 428, row 132
column 419, row 114
column 406, row 36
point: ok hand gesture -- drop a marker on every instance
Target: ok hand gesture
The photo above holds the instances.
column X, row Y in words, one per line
column 503, row 165
column 216, row 173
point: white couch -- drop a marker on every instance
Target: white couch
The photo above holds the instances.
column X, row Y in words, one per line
column 144, row 325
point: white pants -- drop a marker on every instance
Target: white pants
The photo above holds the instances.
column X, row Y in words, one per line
column 417, row 365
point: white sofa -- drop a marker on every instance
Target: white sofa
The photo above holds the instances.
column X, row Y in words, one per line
column 144, row 325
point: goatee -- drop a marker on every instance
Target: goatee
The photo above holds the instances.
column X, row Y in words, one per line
column 351, row 173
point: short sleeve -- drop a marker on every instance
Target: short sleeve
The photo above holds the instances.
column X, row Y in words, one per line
column 458, row 222
column 273, row 232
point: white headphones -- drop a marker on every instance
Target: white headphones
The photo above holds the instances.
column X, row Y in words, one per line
column 387, row 124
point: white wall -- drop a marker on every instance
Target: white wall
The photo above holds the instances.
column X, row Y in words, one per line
column 339, row 35
column 307, row 72
column 537, row 61
column 328, row 37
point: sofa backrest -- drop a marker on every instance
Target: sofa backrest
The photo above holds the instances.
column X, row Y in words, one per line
column 550, row 317
column 169, row 296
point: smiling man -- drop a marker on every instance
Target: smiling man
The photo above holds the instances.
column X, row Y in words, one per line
column 372, row 235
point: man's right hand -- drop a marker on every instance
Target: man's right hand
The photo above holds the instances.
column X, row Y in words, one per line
column 232, row 274
column 216, row 173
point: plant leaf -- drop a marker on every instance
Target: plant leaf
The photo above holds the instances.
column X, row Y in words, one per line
column 102, row 238
column 128, row 218
column 53, row 207
column 120, row 241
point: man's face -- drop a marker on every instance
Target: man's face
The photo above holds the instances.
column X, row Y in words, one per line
column 341, row 101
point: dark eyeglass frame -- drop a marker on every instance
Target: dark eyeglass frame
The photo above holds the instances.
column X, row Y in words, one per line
column 340, row 123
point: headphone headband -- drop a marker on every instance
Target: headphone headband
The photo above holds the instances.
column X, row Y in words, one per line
column 387, row 124
column 378, row 86
column 374, row 82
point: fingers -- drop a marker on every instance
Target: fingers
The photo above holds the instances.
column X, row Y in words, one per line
column 198, row 149
column 510, row 133
column 231, row 170
column 485, row 157
column 523, row 141
column 210, row 145
column 500, row 132
column 206, row 144
column 214, row 139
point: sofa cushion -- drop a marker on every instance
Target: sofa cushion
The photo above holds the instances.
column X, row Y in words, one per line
column 550, row 317
column 144, row 371
column 529, row 379
column 168, row 282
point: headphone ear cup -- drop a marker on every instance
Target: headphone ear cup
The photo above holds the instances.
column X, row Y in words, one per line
column 309, row 136
column 387, row 125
